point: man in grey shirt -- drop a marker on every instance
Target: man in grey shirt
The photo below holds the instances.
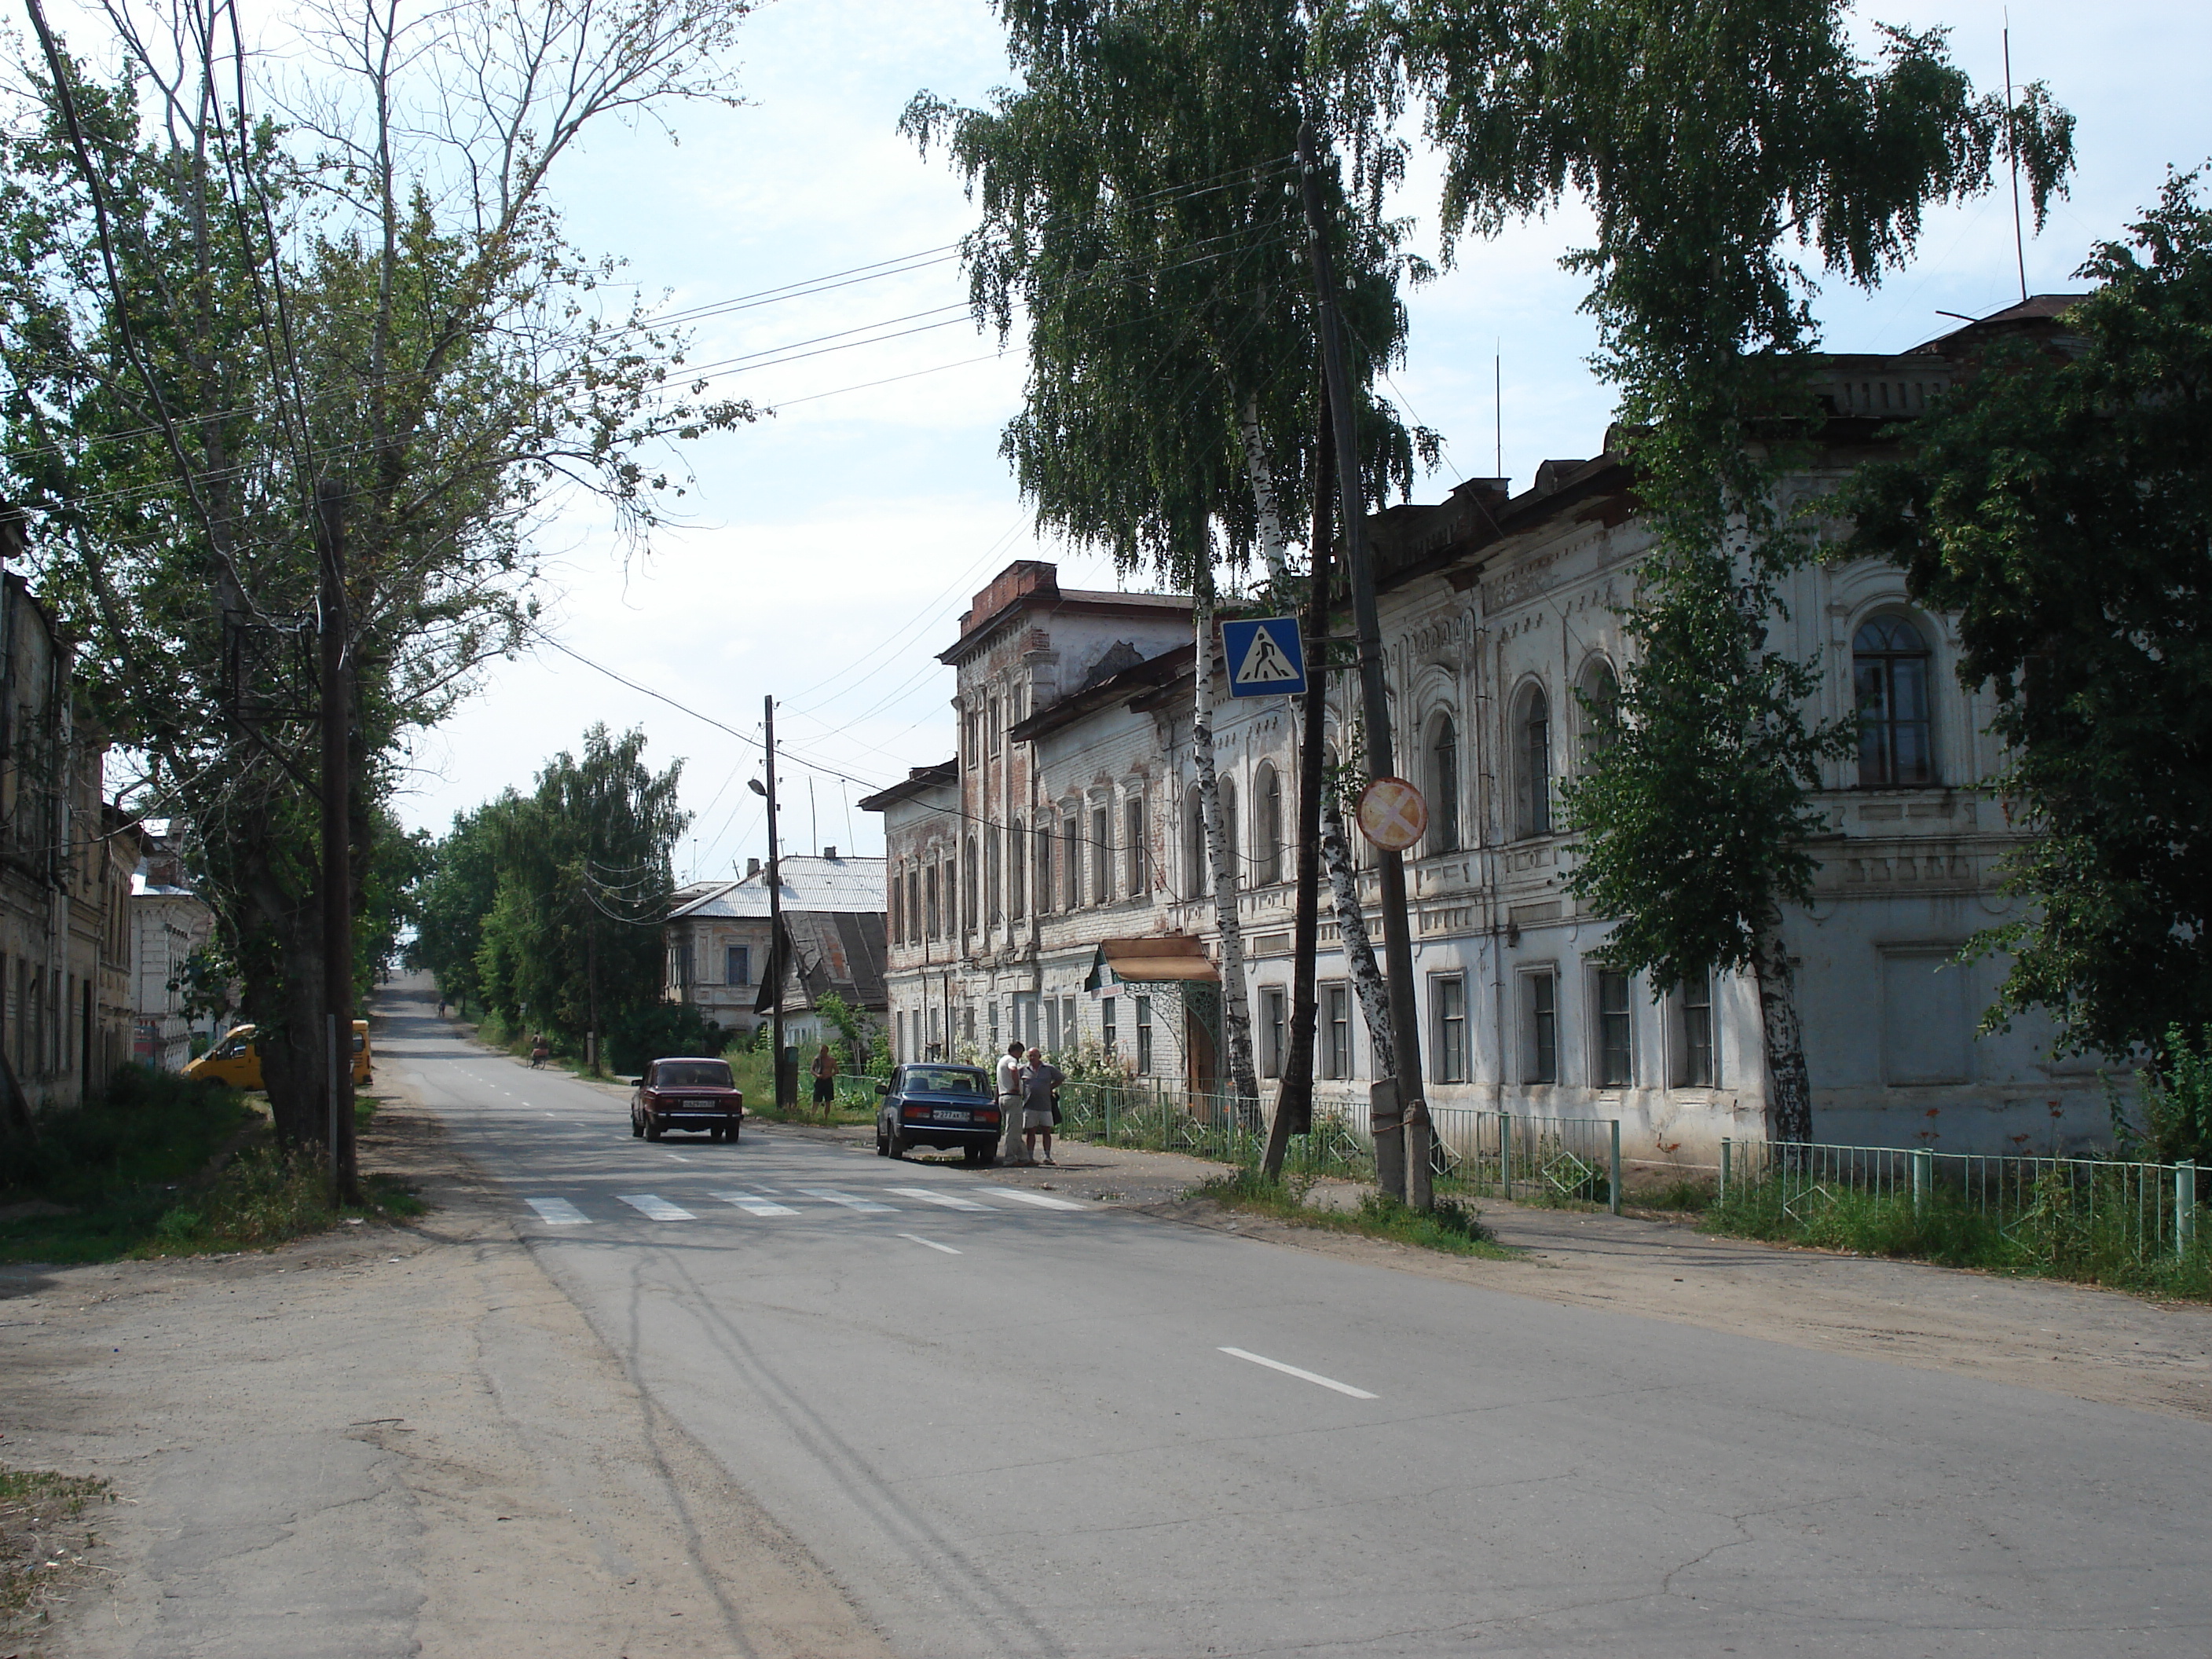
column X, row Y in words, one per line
column 1040, row 1079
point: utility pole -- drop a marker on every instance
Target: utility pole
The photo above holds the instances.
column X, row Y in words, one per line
column 775, row 917
column 1294, row 1095
column 337, row 850
column 1401, row 1159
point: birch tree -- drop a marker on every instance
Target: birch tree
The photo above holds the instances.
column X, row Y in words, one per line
column 1139, row 206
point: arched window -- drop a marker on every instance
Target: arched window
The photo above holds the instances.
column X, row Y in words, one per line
column 1017, row 857
column 968, row 886
column 1443, row 786
column 1889, row 676
column 1532, row 762
column 1229, row 842
column 1600, row 710
column 993, row 878
column 1267, row 833
column 1197, row 877
column 1044, row 864
column 913, row 903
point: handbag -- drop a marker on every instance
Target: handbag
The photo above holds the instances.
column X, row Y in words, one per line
column 1055, row 1108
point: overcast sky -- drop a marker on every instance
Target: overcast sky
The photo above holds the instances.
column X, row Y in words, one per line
column 828, row 552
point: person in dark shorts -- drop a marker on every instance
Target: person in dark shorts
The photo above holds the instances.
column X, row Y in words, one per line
column 825, row 1078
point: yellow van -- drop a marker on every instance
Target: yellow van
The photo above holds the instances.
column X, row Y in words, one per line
column 236, row 1061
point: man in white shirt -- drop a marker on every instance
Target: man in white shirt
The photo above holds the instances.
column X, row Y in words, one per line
column 1010, row 1104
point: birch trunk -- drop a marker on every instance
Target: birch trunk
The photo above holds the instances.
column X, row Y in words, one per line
column 1267, row 509
column 1236, row 1012
column 1789, row 1087
column 1367, row 980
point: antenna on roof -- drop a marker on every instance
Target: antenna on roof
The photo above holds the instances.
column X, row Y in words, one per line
column 2012, row 155
column 1498, row 403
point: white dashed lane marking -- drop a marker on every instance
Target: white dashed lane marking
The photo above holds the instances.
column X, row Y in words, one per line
column 1303, row 1376
column 558, row 1212
column 950, row 1200
column 656, row 1208
column 931, row 1243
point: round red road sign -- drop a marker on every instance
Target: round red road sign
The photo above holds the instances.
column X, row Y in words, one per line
column 1392, row 814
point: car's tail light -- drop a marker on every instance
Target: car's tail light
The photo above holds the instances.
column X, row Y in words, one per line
column 913, row 1111
column 987, row 1114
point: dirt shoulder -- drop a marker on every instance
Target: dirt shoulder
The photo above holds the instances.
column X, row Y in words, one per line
column 390, row 1439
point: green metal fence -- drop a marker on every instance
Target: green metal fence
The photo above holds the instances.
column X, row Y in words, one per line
column 2049, row 1208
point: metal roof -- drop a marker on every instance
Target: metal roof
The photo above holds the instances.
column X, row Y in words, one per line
column 809, row 884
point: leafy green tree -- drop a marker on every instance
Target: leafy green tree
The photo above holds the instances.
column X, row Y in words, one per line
column 2059, row 504
column 1724, row 147
column 571, row 942
column 209, row 315
column 1140, row 206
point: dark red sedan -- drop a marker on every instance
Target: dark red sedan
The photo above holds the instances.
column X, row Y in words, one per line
column 687, row 1093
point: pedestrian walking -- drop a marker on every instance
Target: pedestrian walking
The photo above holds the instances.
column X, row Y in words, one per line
column 825, row 1080
column 1040, row 1082
column 1010, row 1102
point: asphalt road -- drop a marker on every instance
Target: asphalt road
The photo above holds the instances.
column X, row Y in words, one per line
column 1009, row 1428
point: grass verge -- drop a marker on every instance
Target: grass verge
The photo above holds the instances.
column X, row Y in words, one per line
column 2056, row 1240
column 1453, row 1228
column 130, row 1175
column 44, row 1533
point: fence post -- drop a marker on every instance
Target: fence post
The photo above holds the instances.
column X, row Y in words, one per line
column 2185, row 1206
column 1924, row 1177
column 1504, row 1155
column 1612, row 1184
column 1727, row 1146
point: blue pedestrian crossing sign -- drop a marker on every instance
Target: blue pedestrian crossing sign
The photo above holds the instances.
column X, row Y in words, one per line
column 1266, row 657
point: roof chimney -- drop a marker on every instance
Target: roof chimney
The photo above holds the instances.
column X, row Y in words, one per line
column 752, row 868
column 829, row 852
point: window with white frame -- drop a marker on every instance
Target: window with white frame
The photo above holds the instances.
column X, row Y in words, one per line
column 1198, row 873
column 1072, row 833
column 1598, row 707
column 1700, row 1066
column 1889, row 676
column 1447, row 1003
column 1268, row 827
column 1132, row 844
column 1336, row 1030
column 1274, row 1030
column 1044, row 860
column 1016, row 856
column 1143, row 1036
column 1532, row 762
column 1443, row 786
column 1616, row 1061
column 1540, row 1026
column 1108, row 1033
column 1102, row 856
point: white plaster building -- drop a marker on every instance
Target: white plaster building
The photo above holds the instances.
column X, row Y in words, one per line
column 168, row 922
column 1061, row 837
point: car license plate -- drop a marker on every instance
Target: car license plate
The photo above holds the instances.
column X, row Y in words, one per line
column 952, row 1115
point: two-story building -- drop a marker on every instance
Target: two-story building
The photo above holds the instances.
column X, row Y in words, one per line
column 1050, row 881
column 717, row 934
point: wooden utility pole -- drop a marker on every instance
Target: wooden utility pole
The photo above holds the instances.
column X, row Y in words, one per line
column 783, row 1100
column 337, row 839
column 1294, row 1094
column 1399, row 1113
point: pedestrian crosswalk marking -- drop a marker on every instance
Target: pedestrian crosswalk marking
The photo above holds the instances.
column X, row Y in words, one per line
column 1042, row 1201
column 830, row 1195
column 950, row 1200
column 754, row 1204
column 656, row 1208
column 557, row 1212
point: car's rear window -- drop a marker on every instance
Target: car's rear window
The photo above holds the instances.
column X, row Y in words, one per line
column 692, row 1074
column 943, row 1080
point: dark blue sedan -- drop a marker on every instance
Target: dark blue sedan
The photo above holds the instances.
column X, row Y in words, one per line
column 943, row 1106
